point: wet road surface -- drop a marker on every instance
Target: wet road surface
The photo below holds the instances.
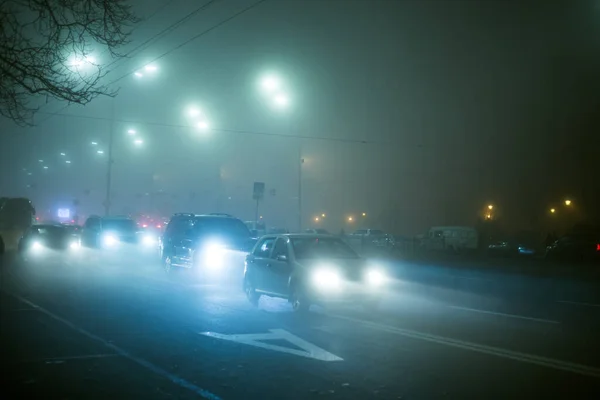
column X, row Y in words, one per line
column 116, row 325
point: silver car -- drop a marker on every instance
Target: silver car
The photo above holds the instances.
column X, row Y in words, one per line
column 311, row 269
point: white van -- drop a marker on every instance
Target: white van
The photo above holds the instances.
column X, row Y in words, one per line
column 454, row 238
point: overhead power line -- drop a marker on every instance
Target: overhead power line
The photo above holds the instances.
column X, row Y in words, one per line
column 188, row 41
column 171, row 28
column 233, row 131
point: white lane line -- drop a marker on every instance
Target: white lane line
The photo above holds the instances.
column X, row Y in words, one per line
column 490, row 350
column 61, row 360
column 140, row 361
column 577, row 303
column 547, row 321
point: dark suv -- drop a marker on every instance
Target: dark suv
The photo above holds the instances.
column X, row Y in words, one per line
column 108, row 232
column 203, row 241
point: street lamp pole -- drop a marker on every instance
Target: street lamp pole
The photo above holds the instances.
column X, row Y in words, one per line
column 110, row 160
column 300, row 162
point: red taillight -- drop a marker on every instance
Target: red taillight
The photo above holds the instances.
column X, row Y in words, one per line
column 160, row 226
column 598, row 247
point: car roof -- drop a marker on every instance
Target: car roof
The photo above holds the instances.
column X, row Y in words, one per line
column 47, row 226
column 305, row 235
column 215, row 215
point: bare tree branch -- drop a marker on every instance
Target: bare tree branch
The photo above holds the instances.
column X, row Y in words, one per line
column 47, row 48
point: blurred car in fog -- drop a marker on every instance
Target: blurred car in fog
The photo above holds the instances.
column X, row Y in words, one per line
column 207, row 243
column 45, row 239
column 375, row 237
column 310, row 269
column 318, row 231
column 510, row 248
column 575, row 247
column 109, row 232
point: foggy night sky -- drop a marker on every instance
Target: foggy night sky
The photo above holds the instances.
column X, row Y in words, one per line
column 462, row 103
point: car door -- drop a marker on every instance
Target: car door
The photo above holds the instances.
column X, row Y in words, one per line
column 179, row 241
column 187, row 243
column 91, row 230
column 257, row 262
column 278, row 268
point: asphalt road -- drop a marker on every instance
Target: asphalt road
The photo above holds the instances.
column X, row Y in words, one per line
column 117, row 326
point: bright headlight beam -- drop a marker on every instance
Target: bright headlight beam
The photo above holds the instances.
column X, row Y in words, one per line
column 326, row 279
column 109, row 240
column 375, row 278
column 36, row 245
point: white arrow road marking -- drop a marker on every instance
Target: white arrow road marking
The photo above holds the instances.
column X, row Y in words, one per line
column 309, row 350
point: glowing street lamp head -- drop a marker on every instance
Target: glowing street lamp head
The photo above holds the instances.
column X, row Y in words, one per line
column 151, row 68
column 552, row 210
column 490, row 207
column 193, row 112
column 131, row 131
column 350, row 219
column 138, row 142
column 270, row 83
column 364, row 214
column 281, row 100
column 138, row 74
column 567, row 202
column 317, row 219
column 203, row 126
column 323, row 215
column 100, row 152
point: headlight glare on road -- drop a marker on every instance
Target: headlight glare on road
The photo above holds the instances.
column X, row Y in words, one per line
column 109, row 240
column 326, row 279
column 375, row 278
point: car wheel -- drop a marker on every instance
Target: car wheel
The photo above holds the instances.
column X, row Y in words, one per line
column 299, row 300
column 250, row 290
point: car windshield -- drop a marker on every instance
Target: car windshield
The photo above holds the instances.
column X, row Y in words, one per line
column 49, row 230
column 119, row 225
column 313, row 247
column 222, row 226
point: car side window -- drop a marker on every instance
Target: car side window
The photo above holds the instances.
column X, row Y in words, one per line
column 280, row 249
column 263, row 249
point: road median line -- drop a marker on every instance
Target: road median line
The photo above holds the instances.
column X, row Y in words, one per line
column 140, row 361
column 484, row 349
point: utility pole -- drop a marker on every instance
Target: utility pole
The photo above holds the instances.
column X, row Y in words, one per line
column 300, row 162
column 110, row 162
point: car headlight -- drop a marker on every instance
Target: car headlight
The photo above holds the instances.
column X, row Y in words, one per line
column 213, row 255
column 149, row 240
column 109, row 239
column 375, row 278
column 36, row 246
column 326, row 279
column 75, row 245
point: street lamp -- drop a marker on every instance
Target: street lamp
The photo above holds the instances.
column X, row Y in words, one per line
column 364, row 214
column 62, row 154
column 281, row 100
column 316, row 219
column 567, row 202
column 323, row 215
column 350, row 219
column 552, row 210
column 490, row 207
column 138, row 142
column 270, row 83
column 193, row 112
column 203, row 126
column 100, row 152
column 94, row 143
column 131, row 131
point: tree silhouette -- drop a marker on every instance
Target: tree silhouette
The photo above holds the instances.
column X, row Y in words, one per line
column 47, row 47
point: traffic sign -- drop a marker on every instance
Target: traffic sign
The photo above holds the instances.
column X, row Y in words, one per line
column 259, row 190
column 309, row 350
